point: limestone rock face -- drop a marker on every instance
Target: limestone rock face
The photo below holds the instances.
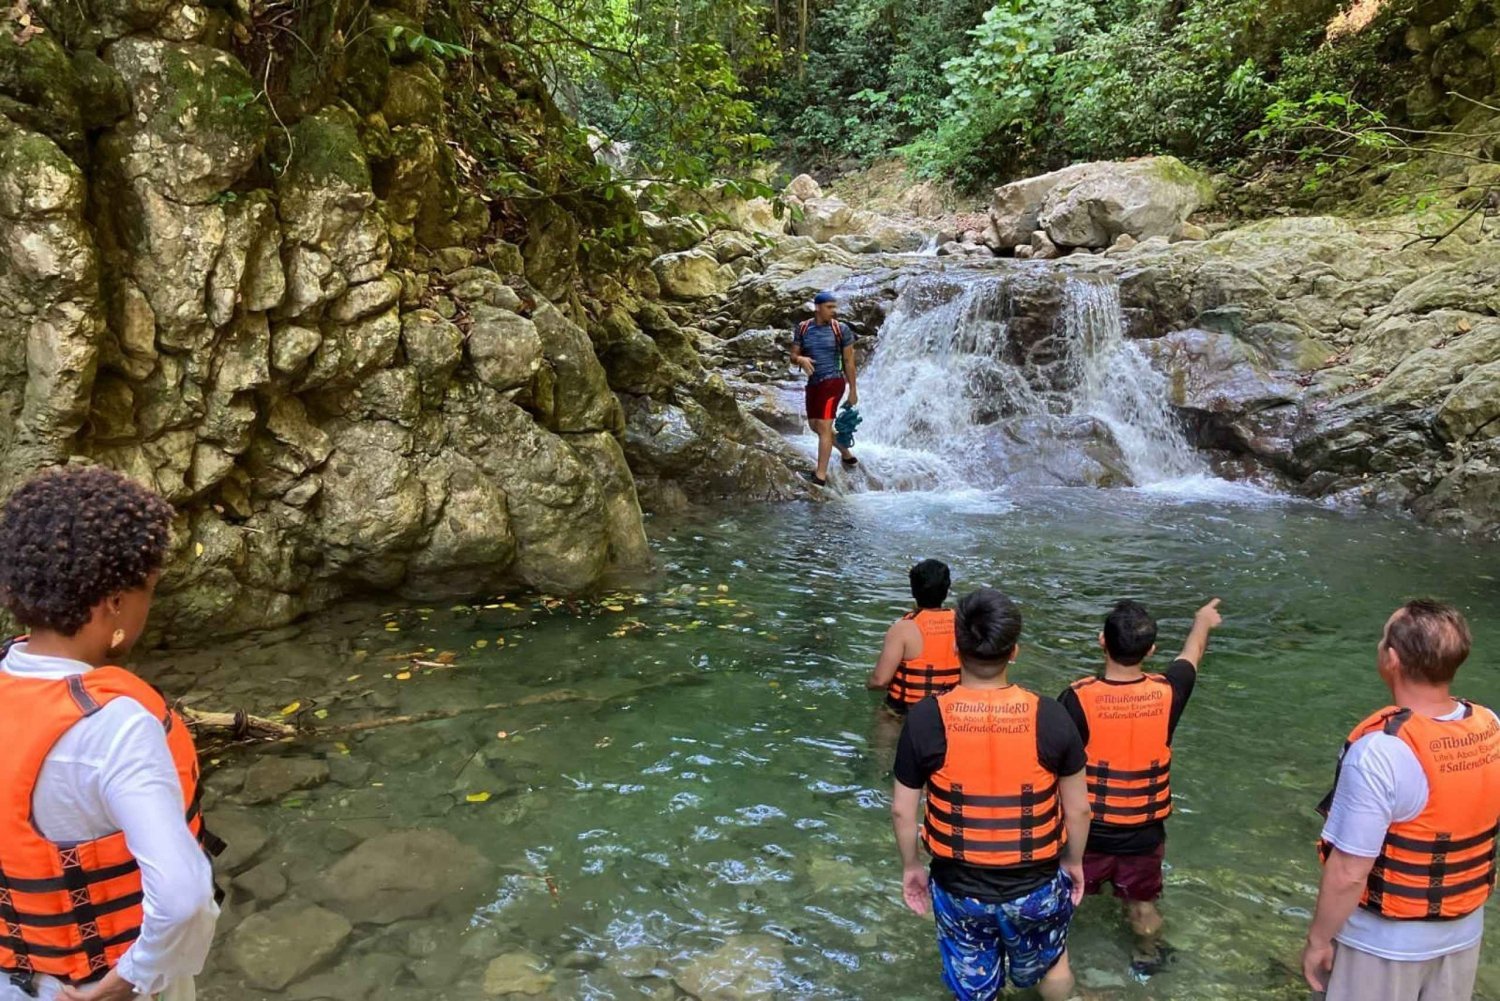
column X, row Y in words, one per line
column 284, row 325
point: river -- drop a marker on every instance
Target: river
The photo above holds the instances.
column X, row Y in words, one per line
column 686, row 791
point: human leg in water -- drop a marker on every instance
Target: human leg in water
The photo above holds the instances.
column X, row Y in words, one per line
column 1058, row 984
column 1149, row 954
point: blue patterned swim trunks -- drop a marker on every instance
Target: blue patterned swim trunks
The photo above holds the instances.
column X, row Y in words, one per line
column 978, row 939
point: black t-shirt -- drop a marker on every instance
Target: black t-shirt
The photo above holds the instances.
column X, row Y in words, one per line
column 920, row 753
column 1141, row 839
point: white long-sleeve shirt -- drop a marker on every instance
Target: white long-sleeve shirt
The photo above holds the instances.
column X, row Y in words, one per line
column 112, row 771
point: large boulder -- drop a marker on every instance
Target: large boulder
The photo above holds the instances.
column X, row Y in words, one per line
column 825, row 218
column 1218, row 373
column 692, row 274
column 1092, row 204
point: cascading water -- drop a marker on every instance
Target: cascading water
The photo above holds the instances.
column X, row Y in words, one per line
column 969, row 387
column 1116, row 384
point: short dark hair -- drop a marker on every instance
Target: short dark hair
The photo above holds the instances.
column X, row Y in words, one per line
column 1431, row 638
column 987, row 626
column 930, row 581
column 1129, row 633
column 71, row 537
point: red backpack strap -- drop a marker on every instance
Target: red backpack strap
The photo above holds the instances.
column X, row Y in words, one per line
column 838, row 335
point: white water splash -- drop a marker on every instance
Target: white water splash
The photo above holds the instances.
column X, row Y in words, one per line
column 1115, row 383
column 945, row 371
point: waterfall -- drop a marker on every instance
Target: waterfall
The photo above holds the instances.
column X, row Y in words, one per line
column 981, row 379
column 1116, row 384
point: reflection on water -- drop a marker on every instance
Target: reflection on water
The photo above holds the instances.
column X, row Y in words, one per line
column 687, row 792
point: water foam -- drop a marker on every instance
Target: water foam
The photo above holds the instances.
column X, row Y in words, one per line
column 946, row 369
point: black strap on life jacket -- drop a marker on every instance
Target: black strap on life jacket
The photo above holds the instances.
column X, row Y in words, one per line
column 1391, row 727
column 22, row 976
column 1101, row 777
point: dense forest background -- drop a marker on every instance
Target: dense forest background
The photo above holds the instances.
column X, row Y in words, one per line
column 975, row 92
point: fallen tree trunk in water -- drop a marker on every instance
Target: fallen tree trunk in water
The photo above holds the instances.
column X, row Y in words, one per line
column 241, row 727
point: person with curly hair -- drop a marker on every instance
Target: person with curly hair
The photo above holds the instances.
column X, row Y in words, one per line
column 106, row 889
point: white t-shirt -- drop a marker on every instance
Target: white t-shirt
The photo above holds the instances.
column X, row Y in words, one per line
column 1382, row 783
column 112, row 771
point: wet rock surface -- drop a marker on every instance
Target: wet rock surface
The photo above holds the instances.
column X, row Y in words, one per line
column 403, row 874
column 275, row 947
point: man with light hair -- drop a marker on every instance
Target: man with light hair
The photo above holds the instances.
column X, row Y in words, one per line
column 1409, row 845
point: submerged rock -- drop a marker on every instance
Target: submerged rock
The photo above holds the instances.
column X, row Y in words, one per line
column 271, row 777
column 517, row 973
column 744, row 968
column 403, row 874
column 274, row 947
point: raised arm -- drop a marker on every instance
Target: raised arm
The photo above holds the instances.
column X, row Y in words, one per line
column 1205, row 621
column 891, row 655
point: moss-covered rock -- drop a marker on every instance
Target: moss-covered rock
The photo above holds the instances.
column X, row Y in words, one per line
column 196, row 122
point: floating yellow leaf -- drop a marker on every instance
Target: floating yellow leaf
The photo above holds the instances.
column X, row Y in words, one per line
column 393, row 627
column 512, row 606
column 197, row 549
column 343, row 748
column 404, row 676
column 723, row 588
column 321, row 713
column 289, row 709
column 488, row 607
column 501, row 735
column 615, row 608
column 477, row 797
column 481, row 644
column 354, row 677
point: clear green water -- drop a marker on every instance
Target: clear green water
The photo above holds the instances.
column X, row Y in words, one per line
column 722, row 772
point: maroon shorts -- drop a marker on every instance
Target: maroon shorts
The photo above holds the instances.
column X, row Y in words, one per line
column 1135, row 877
column 823, row 398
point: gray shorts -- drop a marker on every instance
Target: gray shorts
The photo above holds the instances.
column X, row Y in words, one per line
column 1359, row 976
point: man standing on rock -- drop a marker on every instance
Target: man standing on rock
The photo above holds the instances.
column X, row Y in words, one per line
column 1409, row 846
column 824, row 349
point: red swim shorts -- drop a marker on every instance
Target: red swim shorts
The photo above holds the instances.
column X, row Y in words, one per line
column 823, row 398
column 1135, row 877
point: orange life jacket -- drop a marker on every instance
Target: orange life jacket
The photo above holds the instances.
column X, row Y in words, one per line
column 1441, row 863
column 1129, row 759
column 72, row 910
column 992, row 803
column 935, row 669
